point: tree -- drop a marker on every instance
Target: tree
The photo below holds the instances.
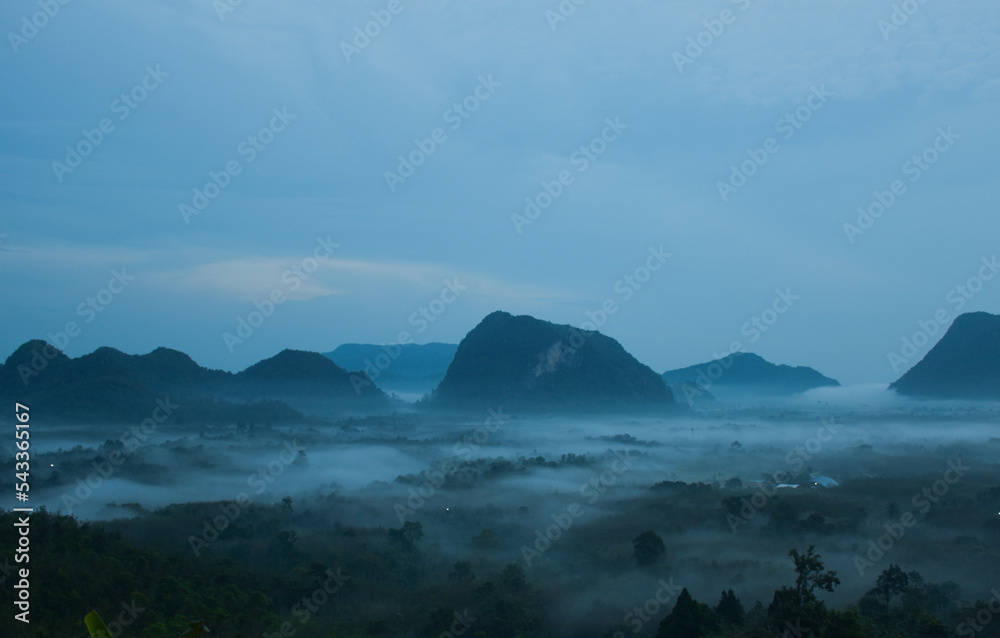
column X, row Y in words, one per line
column 729, row 609
column 889, row 583
column 408, row 534
column 844, row 624
column 486, row 539
column 798, row 605
column 512, row 577
column 461, row 572
column 648, row 548
column 810, row 576
column 689, row 619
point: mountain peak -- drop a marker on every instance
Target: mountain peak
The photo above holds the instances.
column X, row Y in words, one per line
column 750, row 371
column 965, row 363
column 522, row 362
column 294, row 364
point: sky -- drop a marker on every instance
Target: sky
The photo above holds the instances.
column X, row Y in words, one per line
column 685, row 176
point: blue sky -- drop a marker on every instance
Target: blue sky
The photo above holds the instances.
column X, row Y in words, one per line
column 684, row 113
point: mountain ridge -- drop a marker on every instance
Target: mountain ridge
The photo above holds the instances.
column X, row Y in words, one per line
column 524, row 363
column 963, row 364
column 750, row 371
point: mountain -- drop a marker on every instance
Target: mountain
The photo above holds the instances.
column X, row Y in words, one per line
column 110, row 386
column 170, row 371
column 408, row 367
column 964, row 364
column 91, row 388
column 523, row 363
column 296, row 372
column 750, row 373
column 696, row 397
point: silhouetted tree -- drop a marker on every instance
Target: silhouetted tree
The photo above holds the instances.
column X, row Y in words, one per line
column 729, row 609
column 648, row 548
column 689, row 619
column 798, row 606
column 889, row 583
column 810, row 575
column 408, row 535
column 486, row 539
column 461, row 572
column 512, row 577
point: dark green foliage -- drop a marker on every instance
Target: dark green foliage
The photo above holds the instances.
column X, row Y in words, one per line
column 513, row 578
column 890, row 582
column 798, row 606
column 461, row 572
column 689, row 619
column 407, row 535
column 903, row 603
column 77, row 568
column 648, row 549
column 486, row 539
column 730, row 610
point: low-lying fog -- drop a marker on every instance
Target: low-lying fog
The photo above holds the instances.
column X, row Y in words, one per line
column 518, row 476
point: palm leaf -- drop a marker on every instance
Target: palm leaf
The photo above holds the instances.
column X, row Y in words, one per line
column 96, row 626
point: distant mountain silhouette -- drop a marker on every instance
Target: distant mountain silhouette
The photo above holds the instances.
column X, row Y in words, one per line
column 108, row 385
column 751, row 373
column 296, row 372
column 400, row 368
column 964, row 364
column 166, row 370
column 91, row 388
column 523, row 363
